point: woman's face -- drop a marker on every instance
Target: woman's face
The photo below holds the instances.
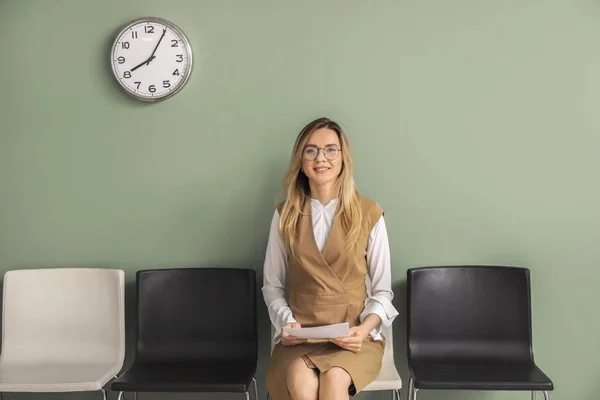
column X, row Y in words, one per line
column 321, row 157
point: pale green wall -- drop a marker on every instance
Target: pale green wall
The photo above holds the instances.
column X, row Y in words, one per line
column 474, row 123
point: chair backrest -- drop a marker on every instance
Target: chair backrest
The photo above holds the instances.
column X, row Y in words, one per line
column 389, row 341
column 63, row 315
column 469, row 314
column 386, row 332
column 196, row 314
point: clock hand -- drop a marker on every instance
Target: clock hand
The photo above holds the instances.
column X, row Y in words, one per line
column 152, row 56
column 145, row 62
column 157, row 44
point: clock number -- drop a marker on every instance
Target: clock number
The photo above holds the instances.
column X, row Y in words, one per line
column 176, row 72
column 174, row 43
column 125, row 45
column 166, row 84
column 134, row 35
column 138, row 84
column 149, row 29
column 179, row 57
column 121, row 60
column 151, row 89
column 127, row 74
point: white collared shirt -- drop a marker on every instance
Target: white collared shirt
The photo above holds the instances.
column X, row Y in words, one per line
column 378, row 262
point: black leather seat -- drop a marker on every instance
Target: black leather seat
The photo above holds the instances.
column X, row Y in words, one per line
column 469, row 328
column 196, row 332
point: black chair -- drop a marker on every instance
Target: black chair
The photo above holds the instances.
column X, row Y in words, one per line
column 469, row 328
column 196, row 332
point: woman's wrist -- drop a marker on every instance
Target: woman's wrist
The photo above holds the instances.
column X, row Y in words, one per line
column 370, row 322
column 364, row 330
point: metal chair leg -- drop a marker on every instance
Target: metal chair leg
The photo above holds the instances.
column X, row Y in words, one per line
column 411, row 389
column 546, row 395
column 255, row 388
column 103, row 393
column 121, row 396
column 394, row 395
column 247, row 395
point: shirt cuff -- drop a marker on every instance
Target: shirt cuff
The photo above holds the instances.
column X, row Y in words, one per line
column 285, row 318
column 383, row 308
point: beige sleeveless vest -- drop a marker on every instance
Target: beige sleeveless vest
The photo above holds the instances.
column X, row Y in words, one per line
column 328, row 288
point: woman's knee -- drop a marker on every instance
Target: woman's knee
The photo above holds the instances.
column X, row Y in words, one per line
column 336, row 376
column 302, row 382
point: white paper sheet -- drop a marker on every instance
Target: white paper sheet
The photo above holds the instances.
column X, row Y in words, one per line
column 321, row 332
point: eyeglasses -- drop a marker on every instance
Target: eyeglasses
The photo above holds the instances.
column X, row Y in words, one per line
column 311, row 153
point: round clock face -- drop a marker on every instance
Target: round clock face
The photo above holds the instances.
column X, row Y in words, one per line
column 151, row 59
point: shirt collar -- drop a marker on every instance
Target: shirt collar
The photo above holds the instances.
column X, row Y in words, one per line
column 316, row 204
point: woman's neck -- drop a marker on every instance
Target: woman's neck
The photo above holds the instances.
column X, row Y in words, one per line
column 323, row 193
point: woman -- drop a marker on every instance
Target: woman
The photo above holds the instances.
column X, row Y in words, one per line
column 325, row 240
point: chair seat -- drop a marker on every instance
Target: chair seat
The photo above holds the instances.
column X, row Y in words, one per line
column 232, row 376
column 55, row 377
column 497, row 376
column 388, row 378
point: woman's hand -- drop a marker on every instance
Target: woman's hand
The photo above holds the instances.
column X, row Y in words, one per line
column 353, row 342
column 289, row 340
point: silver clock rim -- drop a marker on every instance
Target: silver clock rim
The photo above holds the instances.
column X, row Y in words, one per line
column 186, row 45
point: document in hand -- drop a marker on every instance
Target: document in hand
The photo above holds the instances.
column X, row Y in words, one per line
column 320, row 332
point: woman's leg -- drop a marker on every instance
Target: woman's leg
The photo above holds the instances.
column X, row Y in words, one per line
column 302, row 382
column 334, row 384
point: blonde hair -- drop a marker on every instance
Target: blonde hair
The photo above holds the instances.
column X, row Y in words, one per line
column 295, row 189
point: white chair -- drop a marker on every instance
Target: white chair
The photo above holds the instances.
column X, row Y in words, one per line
column 63, row 329
column 388, row 378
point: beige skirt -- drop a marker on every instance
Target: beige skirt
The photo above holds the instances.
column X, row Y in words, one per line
column 363, row 367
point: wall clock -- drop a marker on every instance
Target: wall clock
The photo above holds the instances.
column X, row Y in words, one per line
column 151, row 59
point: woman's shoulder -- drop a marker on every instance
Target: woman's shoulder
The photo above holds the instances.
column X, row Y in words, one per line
column 279, row 206
column 371, row 212
column 369, row 205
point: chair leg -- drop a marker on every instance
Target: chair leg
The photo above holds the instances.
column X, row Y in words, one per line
column 546, row 395
column 255, row 388
column 395, row 395
column 121, row 396
column 247, row 395
column 412, row 392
